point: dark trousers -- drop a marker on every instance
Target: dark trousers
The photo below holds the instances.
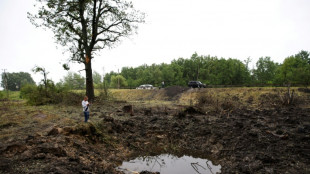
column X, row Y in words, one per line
column 86, row 115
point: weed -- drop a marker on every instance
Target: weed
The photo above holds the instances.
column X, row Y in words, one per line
column 206, row 99
column 288, row 97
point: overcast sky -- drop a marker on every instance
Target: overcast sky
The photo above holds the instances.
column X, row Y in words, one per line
column 173, row 29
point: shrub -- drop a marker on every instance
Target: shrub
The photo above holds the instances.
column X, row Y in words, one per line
column 1, row 95
column 39, row 95
column 30, row 93
column 72, row 98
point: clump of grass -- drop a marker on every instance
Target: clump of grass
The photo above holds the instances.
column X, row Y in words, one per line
column 218, row 102
column 206, row 99
column 10, row 95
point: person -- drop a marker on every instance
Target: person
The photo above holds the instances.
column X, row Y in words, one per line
column 163, row 84
column 85, row 105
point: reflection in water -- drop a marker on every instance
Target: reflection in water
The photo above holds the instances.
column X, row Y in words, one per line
column 169, row 164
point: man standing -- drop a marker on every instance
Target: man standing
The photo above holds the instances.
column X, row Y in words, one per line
column 85, row 106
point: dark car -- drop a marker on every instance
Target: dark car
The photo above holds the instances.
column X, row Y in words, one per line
column 196, row 84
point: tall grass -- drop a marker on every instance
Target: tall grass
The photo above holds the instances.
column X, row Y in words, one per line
column 10, row 95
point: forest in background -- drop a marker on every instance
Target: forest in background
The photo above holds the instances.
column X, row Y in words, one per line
column 295, row 70
column 213, row 71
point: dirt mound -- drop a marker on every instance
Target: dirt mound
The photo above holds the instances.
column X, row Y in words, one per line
column 173, row 92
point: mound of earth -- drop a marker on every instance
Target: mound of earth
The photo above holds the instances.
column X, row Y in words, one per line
column 173, row 92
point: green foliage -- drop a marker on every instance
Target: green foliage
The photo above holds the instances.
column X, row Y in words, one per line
column 209, row 70
column 73, row 81
column 1, row 95
column 118, row 81
column 295, row 70
column 37, row 95
column 10, row 95
column 97, row 79
column 265, row 70
column 219, row 71
column 42, row 70
column 40, row 95
column 16, row 80
column 304, row 55
column 27, row 91
column 66, row 67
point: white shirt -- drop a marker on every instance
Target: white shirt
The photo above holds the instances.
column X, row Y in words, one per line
column 84, row 105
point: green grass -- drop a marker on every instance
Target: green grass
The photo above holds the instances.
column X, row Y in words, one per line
column 12, row 95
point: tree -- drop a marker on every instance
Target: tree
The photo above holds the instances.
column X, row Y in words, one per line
column 43, row 71
column 265, row 71
column 85, row 26
column 118, row 81
column 74, row 81
column 16, row 80
column 304, row 55
column 295, row 69
column 97, row 78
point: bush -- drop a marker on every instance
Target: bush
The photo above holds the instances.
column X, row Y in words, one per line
column 27, row 90
column 1, row 95
column 72, row 98
column 31, row 94
column 39, row 95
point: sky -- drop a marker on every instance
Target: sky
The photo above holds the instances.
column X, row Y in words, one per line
column 173, row 29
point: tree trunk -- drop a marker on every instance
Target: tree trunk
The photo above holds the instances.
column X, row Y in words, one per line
column 89, row 79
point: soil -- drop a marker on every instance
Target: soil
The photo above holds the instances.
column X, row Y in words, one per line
column 173, row 92
column 243, row 140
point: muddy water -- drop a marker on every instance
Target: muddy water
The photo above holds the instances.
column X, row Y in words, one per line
column 170, row 164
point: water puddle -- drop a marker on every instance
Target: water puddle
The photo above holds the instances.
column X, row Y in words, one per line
column 170, row 164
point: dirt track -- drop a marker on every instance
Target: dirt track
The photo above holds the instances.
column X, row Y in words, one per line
column 262, row 140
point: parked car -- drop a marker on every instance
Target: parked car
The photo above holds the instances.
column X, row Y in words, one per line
column 196, row 84
column 145, row 86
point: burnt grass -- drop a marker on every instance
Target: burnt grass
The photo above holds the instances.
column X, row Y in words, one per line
column 242, row 140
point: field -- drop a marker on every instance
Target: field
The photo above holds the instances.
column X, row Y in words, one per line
column 245, row 130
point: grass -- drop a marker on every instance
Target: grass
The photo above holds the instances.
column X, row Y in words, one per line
column 11, row 95
column 19, row 119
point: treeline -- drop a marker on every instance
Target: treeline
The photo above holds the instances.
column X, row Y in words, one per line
column 294, row 70
column 14, row 81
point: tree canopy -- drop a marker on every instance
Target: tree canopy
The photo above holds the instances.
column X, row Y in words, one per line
column 16, row 80
column 85, row 26
column 219, row 71
column 73, row 81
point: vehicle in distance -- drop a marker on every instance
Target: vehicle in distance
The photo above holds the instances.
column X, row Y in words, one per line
column 146, row 86
column 196, row 84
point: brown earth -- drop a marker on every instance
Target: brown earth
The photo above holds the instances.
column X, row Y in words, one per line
column 241, row 131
